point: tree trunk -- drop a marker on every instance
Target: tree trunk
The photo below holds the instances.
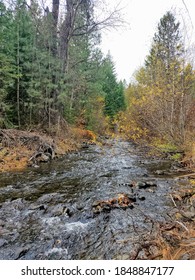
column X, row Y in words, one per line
column 18, row 75
column 66, row 30
column 55, row 15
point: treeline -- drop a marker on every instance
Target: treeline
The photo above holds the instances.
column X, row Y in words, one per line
column 161, row 101
column 51, row 69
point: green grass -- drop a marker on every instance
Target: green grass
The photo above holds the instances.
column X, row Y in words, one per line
column 166, row 148
column 176, row 156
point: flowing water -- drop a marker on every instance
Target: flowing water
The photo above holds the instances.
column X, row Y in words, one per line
column 46, row 213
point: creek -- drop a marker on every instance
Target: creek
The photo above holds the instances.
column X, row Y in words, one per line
column 46, row 213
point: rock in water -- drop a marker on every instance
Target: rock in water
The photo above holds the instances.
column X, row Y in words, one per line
column 20, row 252
column 159, row 172
column 141, row 185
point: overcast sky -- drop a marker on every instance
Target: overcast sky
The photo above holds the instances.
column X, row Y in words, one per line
column 129, row 47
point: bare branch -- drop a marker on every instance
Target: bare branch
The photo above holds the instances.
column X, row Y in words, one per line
column 173, row 200
column 103, row 20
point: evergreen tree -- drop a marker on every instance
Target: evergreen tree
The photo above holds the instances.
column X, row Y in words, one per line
column 82, row 78
column 166, row 51
column 46, row 80
column 114, row 91
column 22, row 40
column 168, row 39
column 7, row 72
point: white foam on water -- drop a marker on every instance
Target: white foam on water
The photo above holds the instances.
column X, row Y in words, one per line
column 51, row 220
column 56, row 250
column 76, row 226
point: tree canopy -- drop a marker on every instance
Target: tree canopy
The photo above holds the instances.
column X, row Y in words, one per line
column 51, row 67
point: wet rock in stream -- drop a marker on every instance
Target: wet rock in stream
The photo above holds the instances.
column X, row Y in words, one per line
column 149, row 186
column 20, row 252
column 160, row 172
column 59, row 210
column 2, row 242
column 97, row 203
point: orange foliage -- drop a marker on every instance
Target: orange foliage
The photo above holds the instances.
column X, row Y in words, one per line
column 84, row 134
column 129, row 127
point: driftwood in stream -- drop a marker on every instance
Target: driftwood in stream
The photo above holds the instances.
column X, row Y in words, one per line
column 187, row 175
column 44, row 153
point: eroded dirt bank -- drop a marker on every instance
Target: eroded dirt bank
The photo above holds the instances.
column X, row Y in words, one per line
column 20, row 149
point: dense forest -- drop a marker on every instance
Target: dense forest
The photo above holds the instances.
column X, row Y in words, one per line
column 51, row 67
column 52, row 71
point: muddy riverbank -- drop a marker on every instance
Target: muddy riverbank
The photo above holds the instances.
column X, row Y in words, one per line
column 50, row 212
